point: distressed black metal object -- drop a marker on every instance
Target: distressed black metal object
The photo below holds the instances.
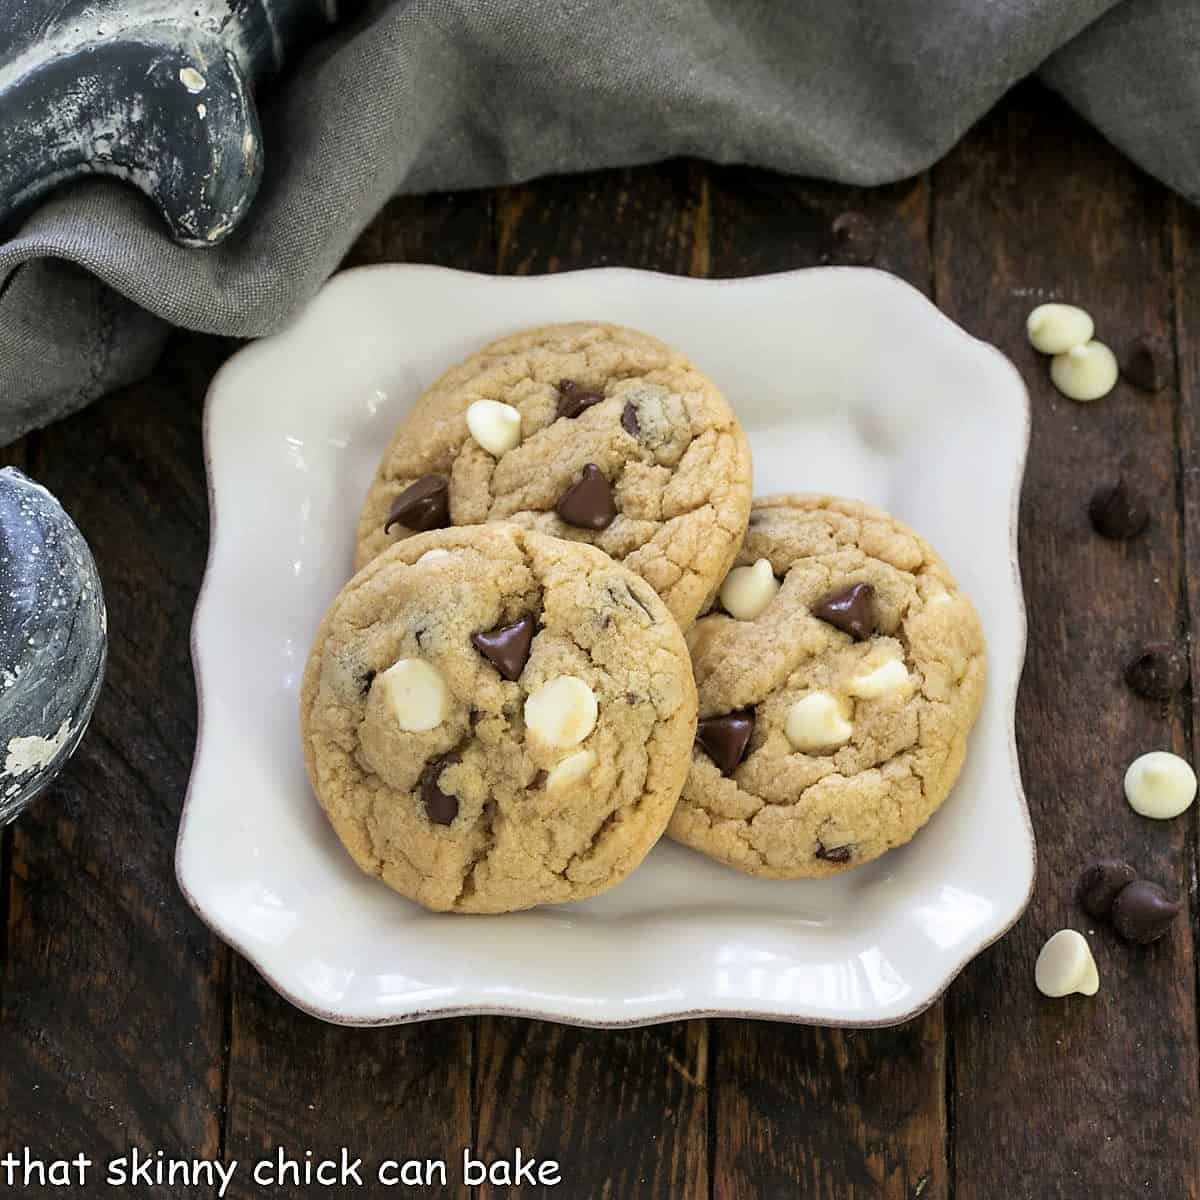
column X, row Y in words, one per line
column 53, row 639
column 157, row 93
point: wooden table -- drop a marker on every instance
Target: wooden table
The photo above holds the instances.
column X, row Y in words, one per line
column 124, row 1022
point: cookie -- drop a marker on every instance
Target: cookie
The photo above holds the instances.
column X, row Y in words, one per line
column 586, row 431
column 494, row 719
column 834, row 710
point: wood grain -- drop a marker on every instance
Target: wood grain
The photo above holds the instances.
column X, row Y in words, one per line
column 1185, row 248
column 625, row 1110
column 293, row 1081
column 1080, row 1097
column 838, row 1114
column 112, row 1020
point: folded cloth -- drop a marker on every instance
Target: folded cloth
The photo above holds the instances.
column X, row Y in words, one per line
column 442, row 94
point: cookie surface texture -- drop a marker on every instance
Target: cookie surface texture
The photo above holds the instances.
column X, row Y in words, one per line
column 834, row 723
column 503, row 723
column 584, row 431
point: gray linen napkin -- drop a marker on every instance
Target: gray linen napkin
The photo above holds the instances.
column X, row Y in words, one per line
column 440, row 94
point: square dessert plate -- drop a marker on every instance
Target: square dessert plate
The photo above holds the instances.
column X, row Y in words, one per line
column 847, row 381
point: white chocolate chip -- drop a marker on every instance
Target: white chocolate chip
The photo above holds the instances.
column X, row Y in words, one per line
column 1085, row 372
column 1066, row 965
column 562, row 712
column 890, row 676
column 573, row 769
column 495, row 426
column 1056, row 328
column 436, row 552
column 415, row 693
column 816, row 723
column 1160, row 785
column 747, row 591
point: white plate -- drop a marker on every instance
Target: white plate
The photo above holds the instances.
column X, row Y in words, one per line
column 847, row 381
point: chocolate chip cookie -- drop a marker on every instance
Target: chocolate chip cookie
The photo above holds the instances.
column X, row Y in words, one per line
column 493, row 718
column 586, row 431
column 838, row 676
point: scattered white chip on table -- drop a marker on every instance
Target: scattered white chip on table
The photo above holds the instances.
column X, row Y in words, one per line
column 415, row 693
column 1056, row 328
column 1160, row 785
column 1066, row 965
column 1085, row 372
column 747, row 591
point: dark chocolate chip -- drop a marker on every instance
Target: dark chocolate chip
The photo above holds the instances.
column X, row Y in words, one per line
column 1143, row 912
column 365, row 680
column 1158, row 671
column 641, row 603
column 1116, row 512
column 833, row 854
column 507, row 646
column 849, row 610
column 440, row 808
column 588, row 503
column 629, row 420
column 572, row 401
column 622, row 594
column 1100, row 883
column 1147, row 362
column 854, row 240
column 725, row 739
column 422, row 505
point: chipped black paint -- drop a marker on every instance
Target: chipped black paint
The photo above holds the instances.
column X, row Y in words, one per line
column 155, row 93
column 53, row 637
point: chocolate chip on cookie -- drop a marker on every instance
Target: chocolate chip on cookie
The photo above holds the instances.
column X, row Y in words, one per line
column 848, row 610
column 725, row 738
column 422, row 506
column 588, row 502
column 833, row 854
column 629, row 420
column 572, row 399
column 440, row 807
column 507, row 646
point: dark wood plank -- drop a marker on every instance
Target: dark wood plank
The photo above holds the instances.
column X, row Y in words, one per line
column 395, row 1094
column 625, row 1111
column 1076, row 1098
column 1185, row 246
column 113, row 1014
column 763, row 222
column 652, row 217
column 16, row 454
column 453, row 229
column 824, row 1113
